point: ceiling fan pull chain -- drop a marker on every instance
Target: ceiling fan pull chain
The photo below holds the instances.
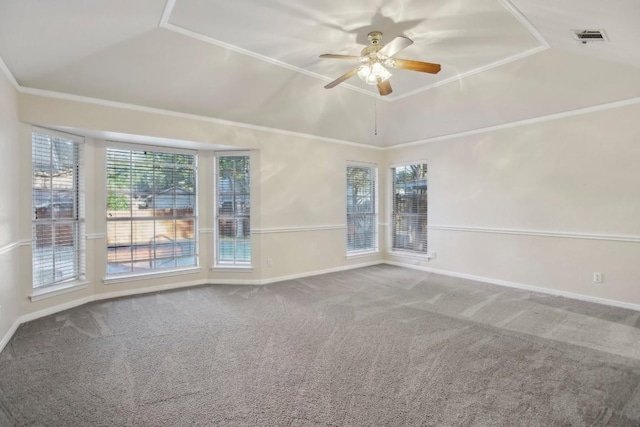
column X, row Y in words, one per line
column 375, row 117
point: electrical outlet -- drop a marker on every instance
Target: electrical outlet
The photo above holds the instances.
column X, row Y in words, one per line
column 597, row 277
column 269, row 262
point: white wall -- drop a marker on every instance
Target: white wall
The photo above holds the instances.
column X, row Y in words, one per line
column 578, row 175
column 10, row 173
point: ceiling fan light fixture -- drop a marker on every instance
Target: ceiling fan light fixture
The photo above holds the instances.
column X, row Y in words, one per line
column 372, row 73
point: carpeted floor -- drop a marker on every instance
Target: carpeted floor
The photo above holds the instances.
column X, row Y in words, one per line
column 378, row 346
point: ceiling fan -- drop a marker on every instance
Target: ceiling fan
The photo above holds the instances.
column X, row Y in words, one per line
column 375, row 57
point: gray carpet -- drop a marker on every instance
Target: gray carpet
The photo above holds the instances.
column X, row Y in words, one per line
column 379, row 346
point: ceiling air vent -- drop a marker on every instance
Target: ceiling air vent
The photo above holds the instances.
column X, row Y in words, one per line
column 587, row 36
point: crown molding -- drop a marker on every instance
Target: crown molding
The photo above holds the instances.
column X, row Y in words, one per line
column 517, row 123
column 170, row 113
column 544, row 45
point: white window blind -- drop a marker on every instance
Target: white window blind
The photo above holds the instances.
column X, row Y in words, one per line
column 409, row 216
column 362, row 217
column 58, row 216
column 151, row 210
column 233, row 210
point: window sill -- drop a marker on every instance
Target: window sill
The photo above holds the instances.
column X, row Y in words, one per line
column 232, row 268
column 411, row 255
column 362, row 254
column 59, row 289
column 151, row 275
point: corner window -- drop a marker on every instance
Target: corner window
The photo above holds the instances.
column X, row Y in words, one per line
column 409, row 208
column 151, row 210
column 362, row 215
column 58, row 220
column 233, row 210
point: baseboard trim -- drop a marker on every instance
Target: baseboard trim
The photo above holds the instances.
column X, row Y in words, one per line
column 7, row 337
column 260, row 282
column 139, row 291
column 515, row 285
column 146, row 290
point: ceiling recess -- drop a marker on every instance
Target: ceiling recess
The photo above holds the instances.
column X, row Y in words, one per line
column 587, row 36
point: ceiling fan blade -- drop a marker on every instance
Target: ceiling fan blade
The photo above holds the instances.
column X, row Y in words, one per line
column 384, row 87
column 331, row 55
column 407, row 64
column 342, row 78
column 395, row 46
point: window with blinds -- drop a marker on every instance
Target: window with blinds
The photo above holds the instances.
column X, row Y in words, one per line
column 409, row 210
column 151, row 210
column 58, row 216
column 233, row 210
column 362, row 216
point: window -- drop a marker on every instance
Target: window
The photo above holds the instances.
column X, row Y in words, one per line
column 233, row 207
column 151, row 210
column 362, row 217
column 409, row 216
column 57, row 225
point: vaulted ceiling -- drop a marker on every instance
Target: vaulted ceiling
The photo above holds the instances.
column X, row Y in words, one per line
column 256, row 61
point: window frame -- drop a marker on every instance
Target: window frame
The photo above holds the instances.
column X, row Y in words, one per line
column 403, row 252
column 234, row 265
column 77, row 221
column 373, row 168
column 154, row 272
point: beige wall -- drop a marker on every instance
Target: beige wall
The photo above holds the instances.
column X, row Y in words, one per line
column 298, row 194
column 575, row 175
column 578, row 175
column 10, row 173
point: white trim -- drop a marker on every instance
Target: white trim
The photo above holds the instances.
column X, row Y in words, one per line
column 414, row 256
column 9, row 247
column 207, row 230
column 255, row 282
column 203, row 38
column 138, row 291
column 140, row 108
column 406, row 163
column 383, row 224
column 508, row 284
column 358, row 163
column 146, row 290
column 63, row 288
column 7, row 337
column 128, row 146
column 56, row 133
column 109, row 280
column 539, row 119
column 298, row 229
column 524, row 122
column 55, row 309
column 557, row 234
column 94, row 236
column 525, row 22
column 544, row 45
column 106, row 295
column 362, row 254
column 166, row 13
column 9, row 75
column 231, row 268
column 482, row 69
